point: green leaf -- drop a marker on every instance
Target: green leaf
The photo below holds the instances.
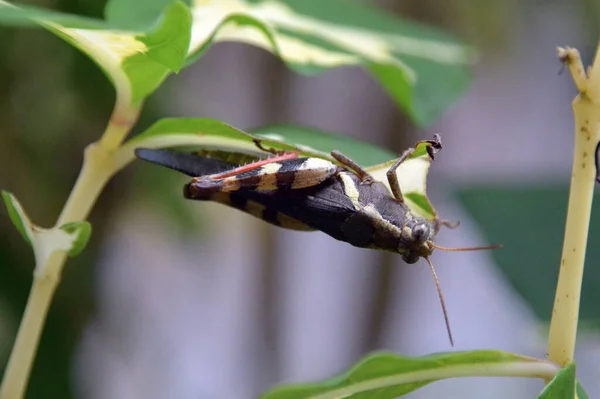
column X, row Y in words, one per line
column 422, row 68
column 168, row 43
column 428, row 97
column 134, row 14
column 213, row 134
column 530, row 223
column 80, row 231
column 17, row 215
column 71, row 237
column 136, row 61
column 362, row 152
column 387, row 376
column 562, row 385
column 581, row 393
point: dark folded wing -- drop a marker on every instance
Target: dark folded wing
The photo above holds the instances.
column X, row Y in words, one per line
column 323, row 207
column 190, row 164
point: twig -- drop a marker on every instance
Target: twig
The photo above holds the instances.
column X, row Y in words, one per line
column 586, row 109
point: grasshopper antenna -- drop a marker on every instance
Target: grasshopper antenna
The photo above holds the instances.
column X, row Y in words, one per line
column 442, row 302
column 483, row 248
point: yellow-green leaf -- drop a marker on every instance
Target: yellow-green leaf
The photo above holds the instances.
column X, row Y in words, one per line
column 422, row 68
column 136, row 62
column 388, row 376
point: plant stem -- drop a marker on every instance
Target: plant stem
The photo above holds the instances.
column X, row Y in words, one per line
column 98, row 167
column 586, row 109
column 20, row 362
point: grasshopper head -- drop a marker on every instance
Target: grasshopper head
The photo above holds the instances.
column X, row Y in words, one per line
column 417, row 237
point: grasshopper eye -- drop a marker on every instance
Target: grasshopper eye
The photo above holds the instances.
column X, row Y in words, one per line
column 420, row 232
column 410, row 257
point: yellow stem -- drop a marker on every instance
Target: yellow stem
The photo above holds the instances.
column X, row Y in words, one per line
column 20, row 362
column 124, row 116
column 98, row 167
column 565, row 315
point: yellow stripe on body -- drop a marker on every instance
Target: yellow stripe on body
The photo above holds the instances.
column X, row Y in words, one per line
column 229, row 184
column 268, row 178
column 256, row 209
column 385, row 224
column 288, row 222
column 350, row 189
column 313, row 172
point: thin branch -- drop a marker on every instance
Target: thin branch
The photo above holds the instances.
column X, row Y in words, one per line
column 586, row 110
column 571, row 58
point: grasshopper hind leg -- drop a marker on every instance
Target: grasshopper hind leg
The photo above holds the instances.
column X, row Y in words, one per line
column 353, row 166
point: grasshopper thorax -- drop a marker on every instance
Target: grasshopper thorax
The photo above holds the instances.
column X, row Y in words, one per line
column 417, row 239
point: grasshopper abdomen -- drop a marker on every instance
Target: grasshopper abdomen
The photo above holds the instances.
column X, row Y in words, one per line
column 284, row 172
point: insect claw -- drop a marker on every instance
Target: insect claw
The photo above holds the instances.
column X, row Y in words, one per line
column 258, row 143
column 445, row 223
column 433, row 146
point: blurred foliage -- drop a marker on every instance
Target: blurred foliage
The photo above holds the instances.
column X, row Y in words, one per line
column 481, row 23
column 530, row 223
column 590, row 14
column 53, row 102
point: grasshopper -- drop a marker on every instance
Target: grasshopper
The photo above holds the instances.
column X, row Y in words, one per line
column 343, row 201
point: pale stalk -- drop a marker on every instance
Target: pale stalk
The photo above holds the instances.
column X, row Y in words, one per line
column 586, row 109
column 98, row 167
column 527, row 369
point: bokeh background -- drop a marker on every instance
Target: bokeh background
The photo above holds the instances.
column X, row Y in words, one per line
column 174, row 299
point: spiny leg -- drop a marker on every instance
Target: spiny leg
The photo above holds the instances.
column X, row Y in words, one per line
column 350, row 164
column 434, row 146
column 282, row 156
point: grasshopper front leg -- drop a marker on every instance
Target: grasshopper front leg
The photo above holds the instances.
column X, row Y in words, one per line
column 433, row 146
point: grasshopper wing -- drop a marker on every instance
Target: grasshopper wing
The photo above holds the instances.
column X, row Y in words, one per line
column 189, row 164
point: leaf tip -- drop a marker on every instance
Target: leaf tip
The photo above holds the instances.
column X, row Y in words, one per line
column 16, row 215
